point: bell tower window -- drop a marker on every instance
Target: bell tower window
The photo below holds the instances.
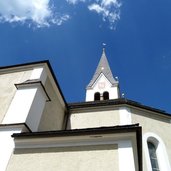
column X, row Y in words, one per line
column 105, row 95
column 97, row 96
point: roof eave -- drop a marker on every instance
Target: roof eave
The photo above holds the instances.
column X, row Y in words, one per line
column 120, row 101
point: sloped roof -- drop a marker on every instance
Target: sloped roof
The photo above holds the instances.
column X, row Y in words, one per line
column 120, row 101
column 103, row 67
column 84, row 131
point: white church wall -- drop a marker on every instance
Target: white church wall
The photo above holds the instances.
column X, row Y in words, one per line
column 92, row 158
column 126, row 156
column 29, row 101
column 36, row 109
column 20, row 106
column 92, row 119
column 161, row 152
column 54, row 111
column 91, row 152
column 125, row 116
column 7, row 145
column 39, row 73
column 8, row 89
column 156, row 124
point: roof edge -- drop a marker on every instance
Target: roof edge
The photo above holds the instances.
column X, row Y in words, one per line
column 116, row 83
column 76, row 132
column 25, row 64
column 47, row 62
column 111, row 102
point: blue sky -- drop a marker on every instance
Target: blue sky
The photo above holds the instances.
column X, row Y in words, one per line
column 70, row 33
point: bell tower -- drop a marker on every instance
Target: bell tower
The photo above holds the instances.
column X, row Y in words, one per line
column 103, row 85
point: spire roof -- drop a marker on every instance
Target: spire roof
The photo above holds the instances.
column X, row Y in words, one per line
column 103, row 67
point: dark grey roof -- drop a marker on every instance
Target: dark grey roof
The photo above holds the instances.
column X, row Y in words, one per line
column 103, row 67
column 120, row 101
column 84, row 131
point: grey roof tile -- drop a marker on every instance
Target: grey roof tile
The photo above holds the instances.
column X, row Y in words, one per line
column 103, row 67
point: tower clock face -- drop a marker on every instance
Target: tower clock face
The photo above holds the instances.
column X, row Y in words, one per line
column 101, row 85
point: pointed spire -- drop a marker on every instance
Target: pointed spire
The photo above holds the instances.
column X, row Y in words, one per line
column 103, row 67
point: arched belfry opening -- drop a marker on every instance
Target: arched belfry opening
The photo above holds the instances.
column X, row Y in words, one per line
column 96, row 96
column 106, row 95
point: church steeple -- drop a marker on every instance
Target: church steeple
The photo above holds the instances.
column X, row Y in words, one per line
column 103, row 67
column 103, row 85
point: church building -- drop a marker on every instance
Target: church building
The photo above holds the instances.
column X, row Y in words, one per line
column 40, row 131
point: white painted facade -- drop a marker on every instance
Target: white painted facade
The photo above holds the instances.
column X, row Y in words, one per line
column 37, row 102
column 28, row 98
column 85, row 119
column 126, row 156
column 7, row 143
column 29, row 101
column 121, row 144
column 110, row 116
column 125, row 116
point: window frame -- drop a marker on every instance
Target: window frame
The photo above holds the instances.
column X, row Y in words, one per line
column 96, row 94
column 161, row 153
column 152, row 149
column 105, row 95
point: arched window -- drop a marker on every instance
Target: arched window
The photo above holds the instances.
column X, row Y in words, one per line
column 97, row 96
column 153, row 156
column 155, row 153
column 105, row 95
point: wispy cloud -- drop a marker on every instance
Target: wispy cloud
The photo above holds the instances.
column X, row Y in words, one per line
column 74, row 1
column 38, row 12
column 108, row 9
column 41, row 13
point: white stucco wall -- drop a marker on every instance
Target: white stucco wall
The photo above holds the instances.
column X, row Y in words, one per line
column 126, row 156
column 20, row 106
column 7, row 144
column 153, row 124
column 125, row 116
column 8, row 89
column 95, row 152
column 92, row 158
column 28, row 102
column 92, row 119
column 53, row 114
